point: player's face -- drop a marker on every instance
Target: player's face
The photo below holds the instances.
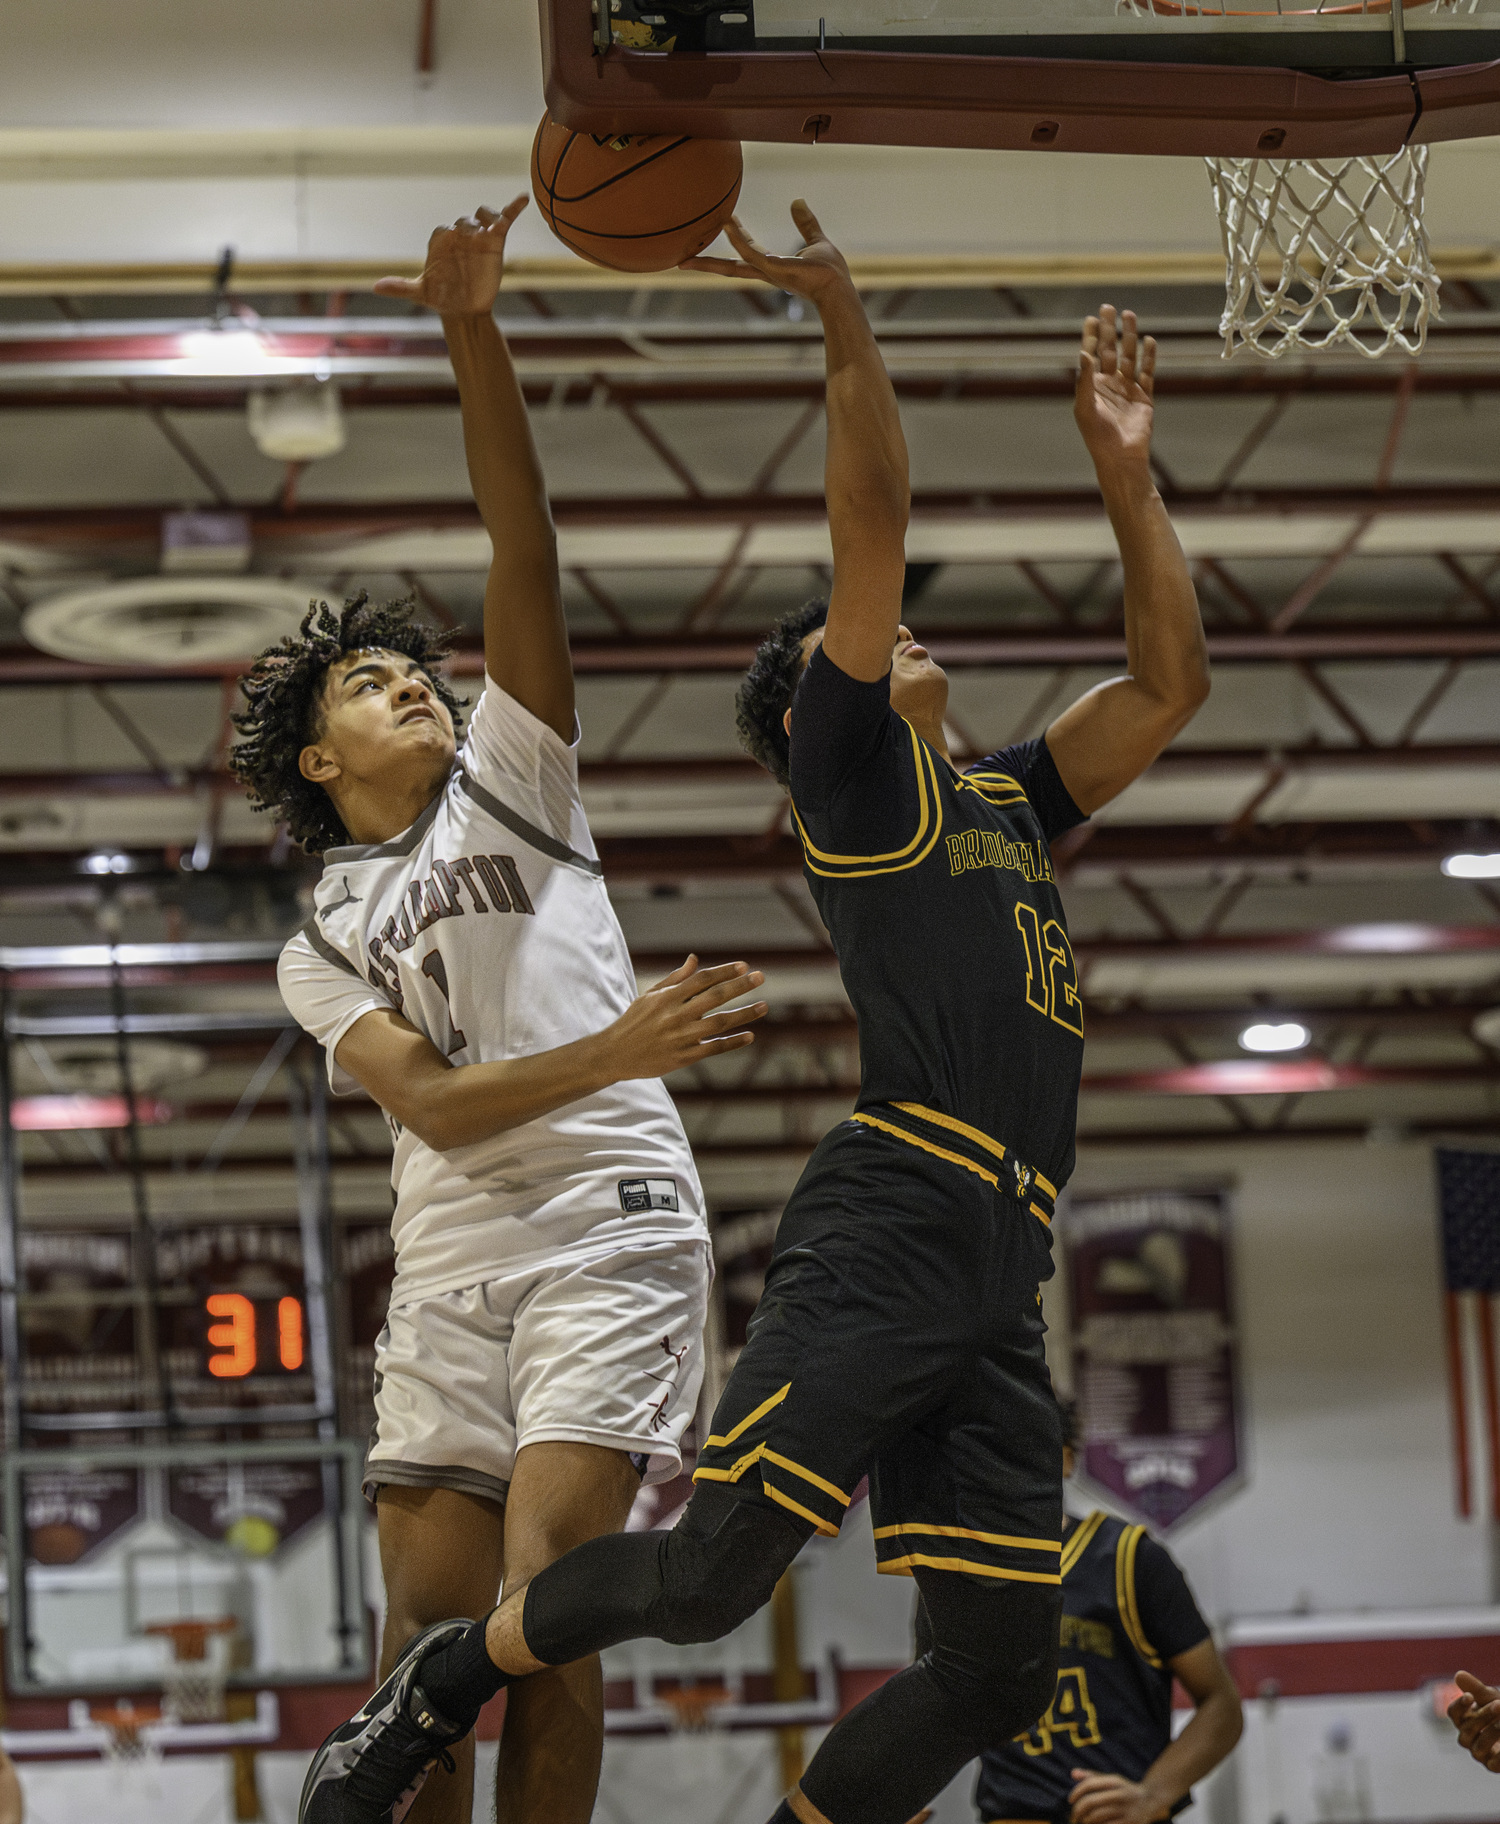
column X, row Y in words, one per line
column 919, row 685
column 381, row 713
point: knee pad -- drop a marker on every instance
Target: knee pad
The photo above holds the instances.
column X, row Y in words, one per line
column 720, row 1564
column 994, row 1654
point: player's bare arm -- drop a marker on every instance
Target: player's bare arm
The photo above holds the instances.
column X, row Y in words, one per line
column 866, row 482
column 1113, row 733
column 684, row 1019
column 525, row 630
column 1215, row 1727
column 1475, row 1713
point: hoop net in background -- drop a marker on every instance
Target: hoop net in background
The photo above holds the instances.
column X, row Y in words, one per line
column 192, row 1684
column 125, row 1738
column 691, row 1707
column 1324, row 251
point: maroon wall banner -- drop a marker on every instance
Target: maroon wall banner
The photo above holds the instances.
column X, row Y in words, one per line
column 1154, row 1348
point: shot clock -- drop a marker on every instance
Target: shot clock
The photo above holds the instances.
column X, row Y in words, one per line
column 246, row 1336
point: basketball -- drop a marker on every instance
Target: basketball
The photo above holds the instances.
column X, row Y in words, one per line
column 252, row 1536
column 58, row 1542
column 639, row 202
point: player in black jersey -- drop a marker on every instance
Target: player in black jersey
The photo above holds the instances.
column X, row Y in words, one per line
column 1103, row 1751
column 900, row 1334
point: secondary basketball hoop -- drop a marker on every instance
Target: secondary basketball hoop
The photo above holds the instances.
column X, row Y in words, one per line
column 193, row 1681
column 691, row 1708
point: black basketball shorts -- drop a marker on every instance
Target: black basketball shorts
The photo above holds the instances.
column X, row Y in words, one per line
column 900, row 1337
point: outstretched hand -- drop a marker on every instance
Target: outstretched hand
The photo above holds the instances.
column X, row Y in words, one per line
column 815, row 269
column 1475, row 1713
column 684, row 1019
column 464, row 264
column 1113, row 401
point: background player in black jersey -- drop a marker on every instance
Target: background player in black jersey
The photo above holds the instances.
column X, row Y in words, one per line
column 900, row 1333
column 1103, row 1752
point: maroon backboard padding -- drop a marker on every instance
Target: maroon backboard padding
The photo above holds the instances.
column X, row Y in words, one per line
column 1037, row 104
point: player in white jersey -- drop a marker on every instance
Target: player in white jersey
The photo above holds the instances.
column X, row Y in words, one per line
column 463, row 965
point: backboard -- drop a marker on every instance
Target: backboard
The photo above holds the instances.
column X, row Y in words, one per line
column 115, row 1598
column 1243, row 78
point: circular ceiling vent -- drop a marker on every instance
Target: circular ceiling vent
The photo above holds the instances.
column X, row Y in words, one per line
column 167, row 619
column 91, row 1066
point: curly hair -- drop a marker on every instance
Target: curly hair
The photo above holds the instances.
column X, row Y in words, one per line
column 284, row 691
column 761, row 703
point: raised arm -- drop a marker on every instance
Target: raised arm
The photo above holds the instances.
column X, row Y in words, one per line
column 865, row 478
column 525, row 631
column 1113, row 732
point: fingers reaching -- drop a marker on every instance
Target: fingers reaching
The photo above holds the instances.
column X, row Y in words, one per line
column 807, row 223
column 1108, row 351
column 680, row 974
column 398, row 288
column 1145, row 377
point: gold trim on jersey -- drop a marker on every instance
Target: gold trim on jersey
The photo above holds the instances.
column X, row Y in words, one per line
column 929, row 827
column 990, row 785
column 1074, row 1547
column 745, row 1423
column 942, row 1152
column 903, row 1567
column 967, row 1532
column 1130, row 1616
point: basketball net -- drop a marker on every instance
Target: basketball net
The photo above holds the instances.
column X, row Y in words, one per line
column 691, row 1707
column 1325, row 251
column 125, row 1738
column 192, row 1685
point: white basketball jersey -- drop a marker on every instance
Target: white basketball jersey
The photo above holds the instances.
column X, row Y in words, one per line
column 487, row 926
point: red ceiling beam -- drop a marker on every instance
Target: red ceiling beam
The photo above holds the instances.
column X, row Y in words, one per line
column 1188, row 762
column 343, row 519
column 1271, row 849
column 957, row 649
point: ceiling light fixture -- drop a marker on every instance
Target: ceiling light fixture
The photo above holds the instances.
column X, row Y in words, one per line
column 1286, row 1035
column 107, row 861
column 1473, row 867
column 299, row 423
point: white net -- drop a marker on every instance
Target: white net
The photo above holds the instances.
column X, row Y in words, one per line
column 126, row 1741
column 192, row 1691
column 1325, row 251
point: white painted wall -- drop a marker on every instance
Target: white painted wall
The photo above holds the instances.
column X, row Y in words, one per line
column 1347, row 1501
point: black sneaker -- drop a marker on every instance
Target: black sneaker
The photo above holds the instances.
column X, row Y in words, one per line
column 371, row 1768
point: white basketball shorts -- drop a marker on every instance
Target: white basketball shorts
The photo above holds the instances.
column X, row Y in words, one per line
column 604, row 1351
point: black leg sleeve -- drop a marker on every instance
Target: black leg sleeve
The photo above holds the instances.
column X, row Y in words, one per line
column 989, row 1673
column 715, row 1568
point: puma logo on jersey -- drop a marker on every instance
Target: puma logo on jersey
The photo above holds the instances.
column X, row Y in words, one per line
column 989, row 849
column 337, row 905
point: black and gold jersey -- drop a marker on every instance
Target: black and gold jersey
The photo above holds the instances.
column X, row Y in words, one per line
column 937, row 889
column 1127, row 1613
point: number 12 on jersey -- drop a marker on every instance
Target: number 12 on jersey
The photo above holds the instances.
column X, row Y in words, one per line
column 1051, row 975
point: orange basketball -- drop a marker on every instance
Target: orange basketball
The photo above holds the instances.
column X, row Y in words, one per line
column 640, row 202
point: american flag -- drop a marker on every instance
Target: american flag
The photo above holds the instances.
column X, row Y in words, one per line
column 1469, row 1200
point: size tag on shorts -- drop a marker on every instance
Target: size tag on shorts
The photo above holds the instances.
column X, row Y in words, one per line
column 638, row 1194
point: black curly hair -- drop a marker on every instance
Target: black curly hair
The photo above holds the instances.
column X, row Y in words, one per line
column 284, row 691
column 761, row 703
